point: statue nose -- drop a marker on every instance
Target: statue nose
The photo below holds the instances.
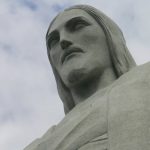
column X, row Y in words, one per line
column 65, row 44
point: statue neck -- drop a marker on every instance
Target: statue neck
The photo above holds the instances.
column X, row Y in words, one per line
column 87, row 88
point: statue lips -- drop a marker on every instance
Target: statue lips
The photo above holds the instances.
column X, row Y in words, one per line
column 70, row 52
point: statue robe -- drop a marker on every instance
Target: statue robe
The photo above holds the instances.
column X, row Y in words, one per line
column 115, row 118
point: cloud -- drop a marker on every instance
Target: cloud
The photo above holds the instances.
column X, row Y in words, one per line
column 29, row 3
column 29, row 103
column 28, row 94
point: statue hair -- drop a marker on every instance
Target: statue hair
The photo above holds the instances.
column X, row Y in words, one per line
column 121, row 58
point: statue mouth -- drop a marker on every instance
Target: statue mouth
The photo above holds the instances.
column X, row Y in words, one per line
column 69, row 53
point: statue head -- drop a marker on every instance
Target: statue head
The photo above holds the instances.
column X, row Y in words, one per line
column 94, row 41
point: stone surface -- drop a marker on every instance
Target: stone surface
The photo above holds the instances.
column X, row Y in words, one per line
column 105, row 95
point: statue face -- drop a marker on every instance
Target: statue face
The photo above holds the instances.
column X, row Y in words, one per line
column 77, row 47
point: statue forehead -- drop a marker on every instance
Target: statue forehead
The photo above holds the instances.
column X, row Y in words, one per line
column 65, row 16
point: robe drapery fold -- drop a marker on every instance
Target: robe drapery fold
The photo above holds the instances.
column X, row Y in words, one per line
column 129, row 111
column 115, row 118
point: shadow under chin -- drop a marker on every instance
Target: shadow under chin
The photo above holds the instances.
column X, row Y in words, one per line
column 77, row 76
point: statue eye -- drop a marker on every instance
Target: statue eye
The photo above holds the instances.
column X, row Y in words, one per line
column 52, row 41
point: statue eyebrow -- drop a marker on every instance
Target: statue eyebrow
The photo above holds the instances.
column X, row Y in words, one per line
column 73, row 20
column 70, row 22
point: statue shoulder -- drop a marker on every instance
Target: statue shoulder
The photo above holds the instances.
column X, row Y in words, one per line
column 137, row 74
column 129, row 109
column 36, row 142
column 142, row 72
column 145, row 67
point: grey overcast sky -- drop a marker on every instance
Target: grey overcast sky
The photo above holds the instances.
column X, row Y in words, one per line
column 29, row 103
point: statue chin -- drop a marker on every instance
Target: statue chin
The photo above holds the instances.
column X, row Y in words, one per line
column 76, row 76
